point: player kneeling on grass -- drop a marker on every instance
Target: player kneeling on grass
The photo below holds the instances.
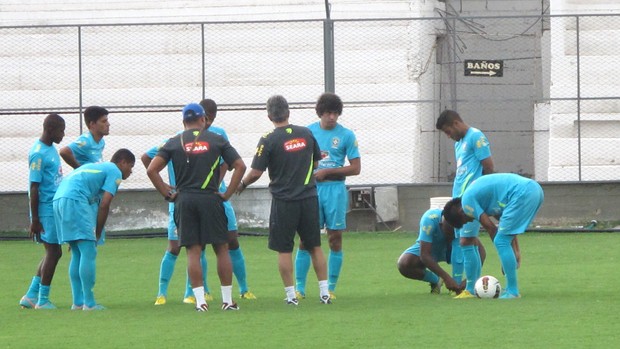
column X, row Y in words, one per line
column 434, row 245
column 512, row 198
column 81, row 207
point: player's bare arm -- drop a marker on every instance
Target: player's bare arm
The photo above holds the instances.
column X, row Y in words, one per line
column 250, row 178
column 353, row 169
column 146, row 160
column 432, row 265
column 35, row 225
column 488, row 225
column 102, row 214
column 487, row 166
column 238, row 171
column 67, row 155
column 155, row 167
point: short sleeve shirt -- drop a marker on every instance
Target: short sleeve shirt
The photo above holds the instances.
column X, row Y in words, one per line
column 88, row 182
column 196, row 156
column 86, row 150
column 288, row 153
column 45, row 169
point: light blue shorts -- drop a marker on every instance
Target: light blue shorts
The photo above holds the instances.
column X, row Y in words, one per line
column 521, row 210
column 469, row 230
column 75, row 220
column 49, row 234
column 333, row 205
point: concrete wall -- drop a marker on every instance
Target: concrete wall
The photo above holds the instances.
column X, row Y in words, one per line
column 566, row 205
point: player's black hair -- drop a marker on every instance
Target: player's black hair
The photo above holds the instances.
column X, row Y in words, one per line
column 53, row 121
column 451, row 213
column 277, row 108
column 328, row 102
column 93, row 113
column 210, row 108
column 123, row 154
column 447, row 117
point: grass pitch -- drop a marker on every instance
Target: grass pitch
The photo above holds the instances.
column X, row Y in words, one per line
column 569, row 284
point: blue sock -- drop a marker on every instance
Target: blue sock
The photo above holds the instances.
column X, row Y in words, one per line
column 88, row 270
column 302, row 266
column 188, row 285
column 333, row 268
column 165, row 272
column 203, row 262
column 238, row 264
column 74, row 274
column 456, row 259
column 508, row 260
column 431, row 277
column 44, row 293
column 33, row 290
column 471, row 263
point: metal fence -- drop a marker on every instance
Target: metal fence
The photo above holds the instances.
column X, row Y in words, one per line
column 552, row 113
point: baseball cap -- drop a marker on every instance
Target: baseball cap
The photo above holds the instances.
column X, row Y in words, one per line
column 193, row 111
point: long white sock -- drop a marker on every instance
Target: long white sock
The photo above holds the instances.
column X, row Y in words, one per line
column 199, row 293
column 290, row 292
column 323, row 288
column 227, row 294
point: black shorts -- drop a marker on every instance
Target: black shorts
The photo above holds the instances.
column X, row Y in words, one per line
column 200, row 218
column 288, row 217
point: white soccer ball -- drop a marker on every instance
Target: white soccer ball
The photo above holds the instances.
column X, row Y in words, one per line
column 487, row 287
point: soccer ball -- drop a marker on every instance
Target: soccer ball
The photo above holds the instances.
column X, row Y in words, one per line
column 487, row 287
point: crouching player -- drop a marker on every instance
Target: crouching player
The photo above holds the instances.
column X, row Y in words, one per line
column 434, row 245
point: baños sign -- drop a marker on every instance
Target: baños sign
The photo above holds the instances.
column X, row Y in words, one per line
column 479, row 67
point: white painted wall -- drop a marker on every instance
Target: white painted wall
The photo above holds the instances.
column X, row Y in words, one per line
column 599, row 75
column 405, row 76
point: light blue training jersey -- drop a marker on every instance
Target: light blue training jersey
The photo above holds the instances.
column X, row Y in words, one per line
column 430, row 231
column 336, row 145
column 88, row 182
column 491, row 194
column 220, row 131
column 46, row 170
column 469, row 152
column 86, row 150
column 171, row 179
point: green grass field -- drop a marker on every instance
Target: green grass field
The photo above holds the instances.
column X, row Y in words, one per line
column 569, row 284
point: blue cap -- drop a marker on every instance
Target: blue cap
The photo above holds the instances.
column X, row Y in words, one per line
column 193, row 111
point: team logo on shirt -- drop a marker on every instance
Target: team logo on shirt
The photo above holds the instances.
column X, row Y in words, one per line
column 427, row 229
column 259, row 150
column 335, row 142
column 197, row 147
column 295, row 144
column 482, row 142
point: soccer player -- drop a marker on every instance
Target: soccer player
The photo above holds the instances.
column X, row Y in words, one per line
column 290, row 153
column 88, row 147
column 169, row 259
column 44, row 176
column 473, row 159
column 434, row 244
column 337, row 143
column 81, row 207
column 199, row 210
column 510, row 198
column 234, row 250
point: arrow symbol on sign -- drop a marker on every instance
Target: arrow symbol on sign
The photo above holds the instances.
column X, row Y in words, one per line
column 489, row 73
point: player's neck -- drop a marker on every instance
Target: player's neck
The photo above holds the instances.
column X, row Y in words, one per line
column 45, row 139
column 281, row 124
column 97, row 136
